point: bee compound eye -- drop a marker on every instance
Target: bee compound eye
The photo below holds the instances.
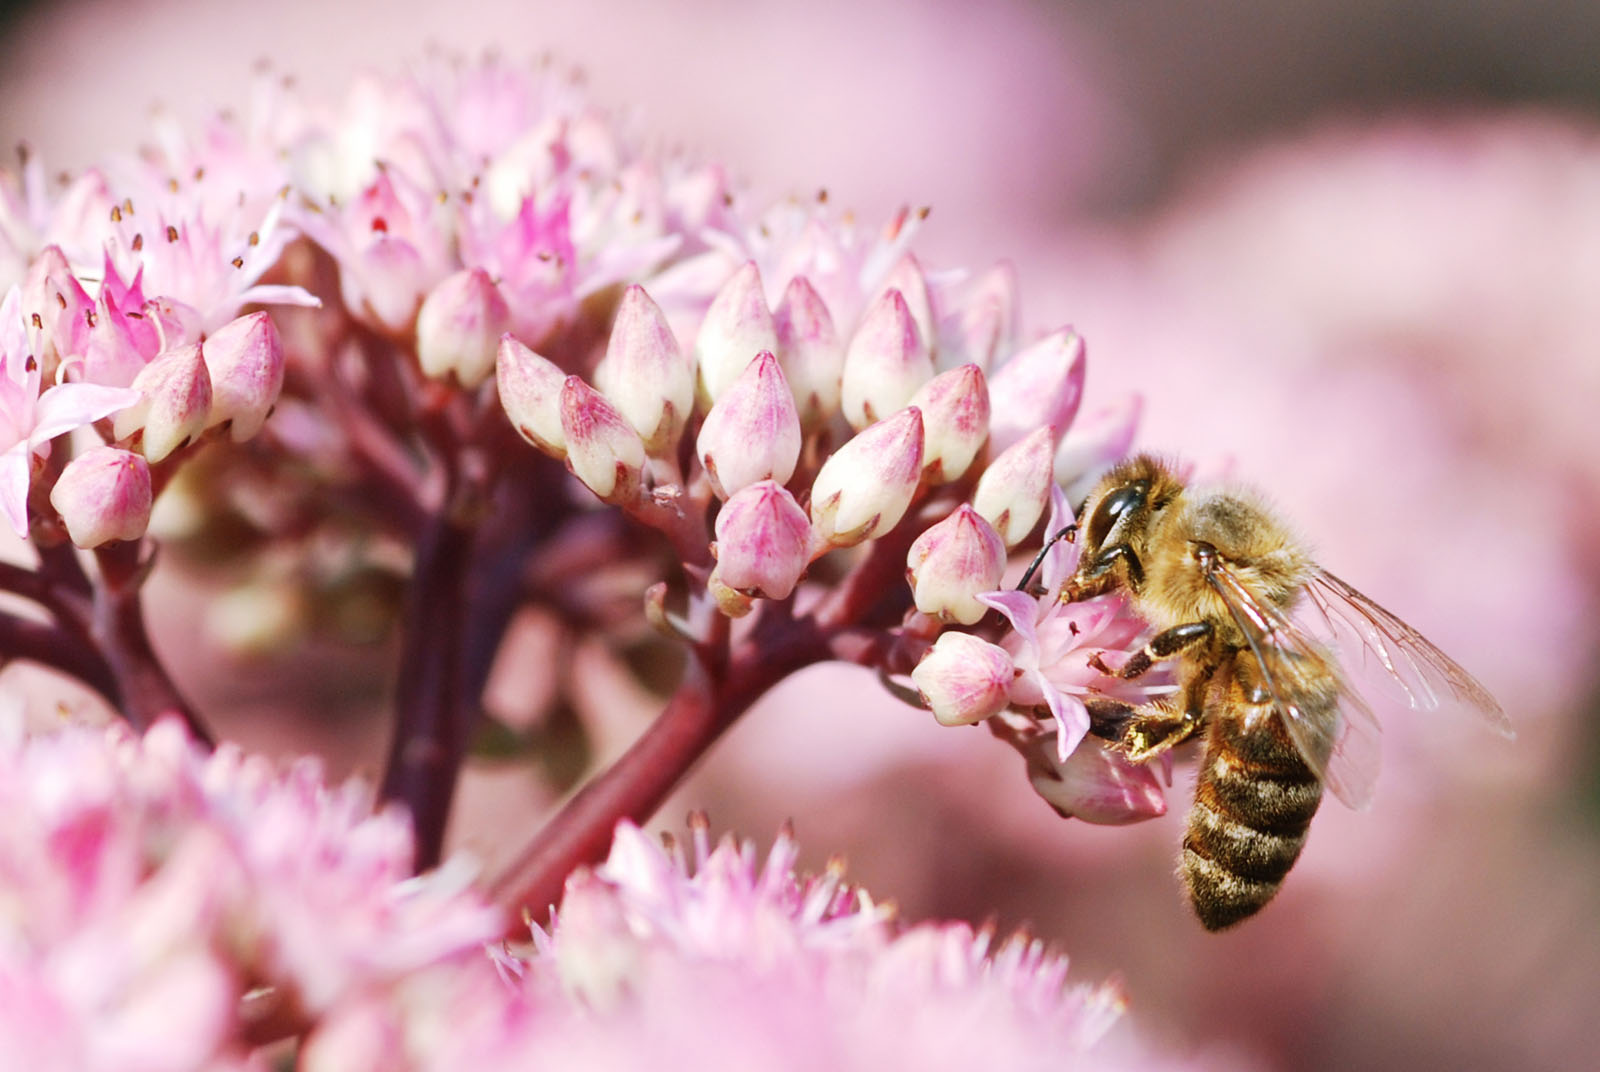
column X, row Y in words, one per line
column 1116, row 503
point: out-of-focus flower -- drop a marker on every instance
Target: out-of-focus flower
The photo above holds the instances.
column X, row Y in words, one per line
column 727, row 961
column 1094, row 444
column 149, row 886
column 1039, row 387
column 459, row 327
column 102, row 495
column 952, row 563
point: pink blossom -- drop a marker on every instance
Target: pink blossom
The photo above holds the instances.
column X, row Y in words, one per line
column 152, row 885
column 725, row 960
column 1053, row 643
column 29, row 419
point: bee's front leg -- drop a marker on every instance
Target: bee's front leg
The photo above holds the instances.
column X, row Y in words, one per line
column 1099, row 575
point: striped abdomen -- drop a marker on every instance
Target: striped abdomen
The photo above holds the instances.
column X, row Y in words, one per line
column 1254, row 799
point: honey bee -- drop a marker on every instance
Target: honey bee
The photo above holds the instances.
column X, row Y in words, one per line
column 1222, row 581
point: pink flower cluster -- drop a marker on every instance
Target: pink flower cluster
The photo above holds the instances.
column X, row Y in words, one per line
column 149, row 887
column 786, row 433
column 710, row 957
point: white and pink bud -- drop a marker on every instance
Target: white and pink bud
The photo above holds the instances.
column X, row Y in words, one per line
column 603, row 450
column 174, row 402
column 866, row 486
column 885, row 363
column 1096, row 443
column 809, row 351
column 459, row 327
column 645, row 373
column 530, row 393
column 964, row 679
column 1097, row 785
column 907, row 277
column 763, row 542
column 955, row 418
column 1015, row 487
column 1041, row 385
column 954, row 562
column 102, row 495
column 737, row 327
column 244, row 359
column 752, row 432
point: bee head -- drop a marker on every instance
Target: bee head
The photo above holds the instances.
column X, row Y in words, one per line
column 1121, row 507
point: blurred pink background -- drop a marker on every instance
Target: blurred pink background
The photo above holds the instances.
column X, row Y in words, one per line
column 1350, row 249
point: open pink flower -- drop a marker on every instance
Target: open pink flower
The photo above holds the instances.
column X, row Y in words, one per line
column 29, row 419
column 1053, row 642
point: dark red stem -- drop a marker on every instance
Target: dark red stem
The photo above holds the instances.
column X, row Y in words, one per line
column 143, row 690
column 709, row 701
column 431, row 726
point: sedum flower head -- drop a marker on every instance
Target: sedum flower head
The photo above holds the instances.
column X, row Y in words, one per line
column 710, row 956
column 149, row 886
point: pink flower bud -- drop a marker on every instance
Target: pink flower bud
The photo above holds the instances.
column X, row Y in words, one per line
column 1041, row 385
column 244, row 359
column 763, row 541
column 753, row 431
column 1097, row 785
column 645, row 373
column 809, row 351
column 963, row 679
column 175, row 400
column 385, row 282
column 907, row 277
column 1096, row 443
column 988, row 321
column 459, row 327
column 102, row 495
column 736, row 328
column 530, row 393
column 955, row 416
column 603, row 450
column 954, row 561
column 886, row 362
column 1014, row 488
column 865, row 486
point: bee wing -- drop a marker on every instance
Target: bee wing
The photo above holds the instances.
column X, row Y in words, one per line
column 1427, row 678
column 1292, row 664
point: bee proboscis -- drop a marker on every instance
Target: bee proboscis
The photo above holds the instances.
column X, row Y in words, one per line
column 1222, row 580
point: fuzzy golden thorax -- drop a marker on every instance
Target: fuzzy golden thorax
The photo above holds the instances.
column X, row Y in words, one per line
column 1144, row 531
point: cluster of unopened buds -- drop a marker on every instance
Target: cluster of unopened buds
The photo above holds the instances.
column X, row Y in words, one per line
column 788, row 436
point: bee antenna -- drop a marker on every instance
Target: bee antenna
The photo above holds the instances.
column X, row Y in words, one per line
column 1069, row 533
